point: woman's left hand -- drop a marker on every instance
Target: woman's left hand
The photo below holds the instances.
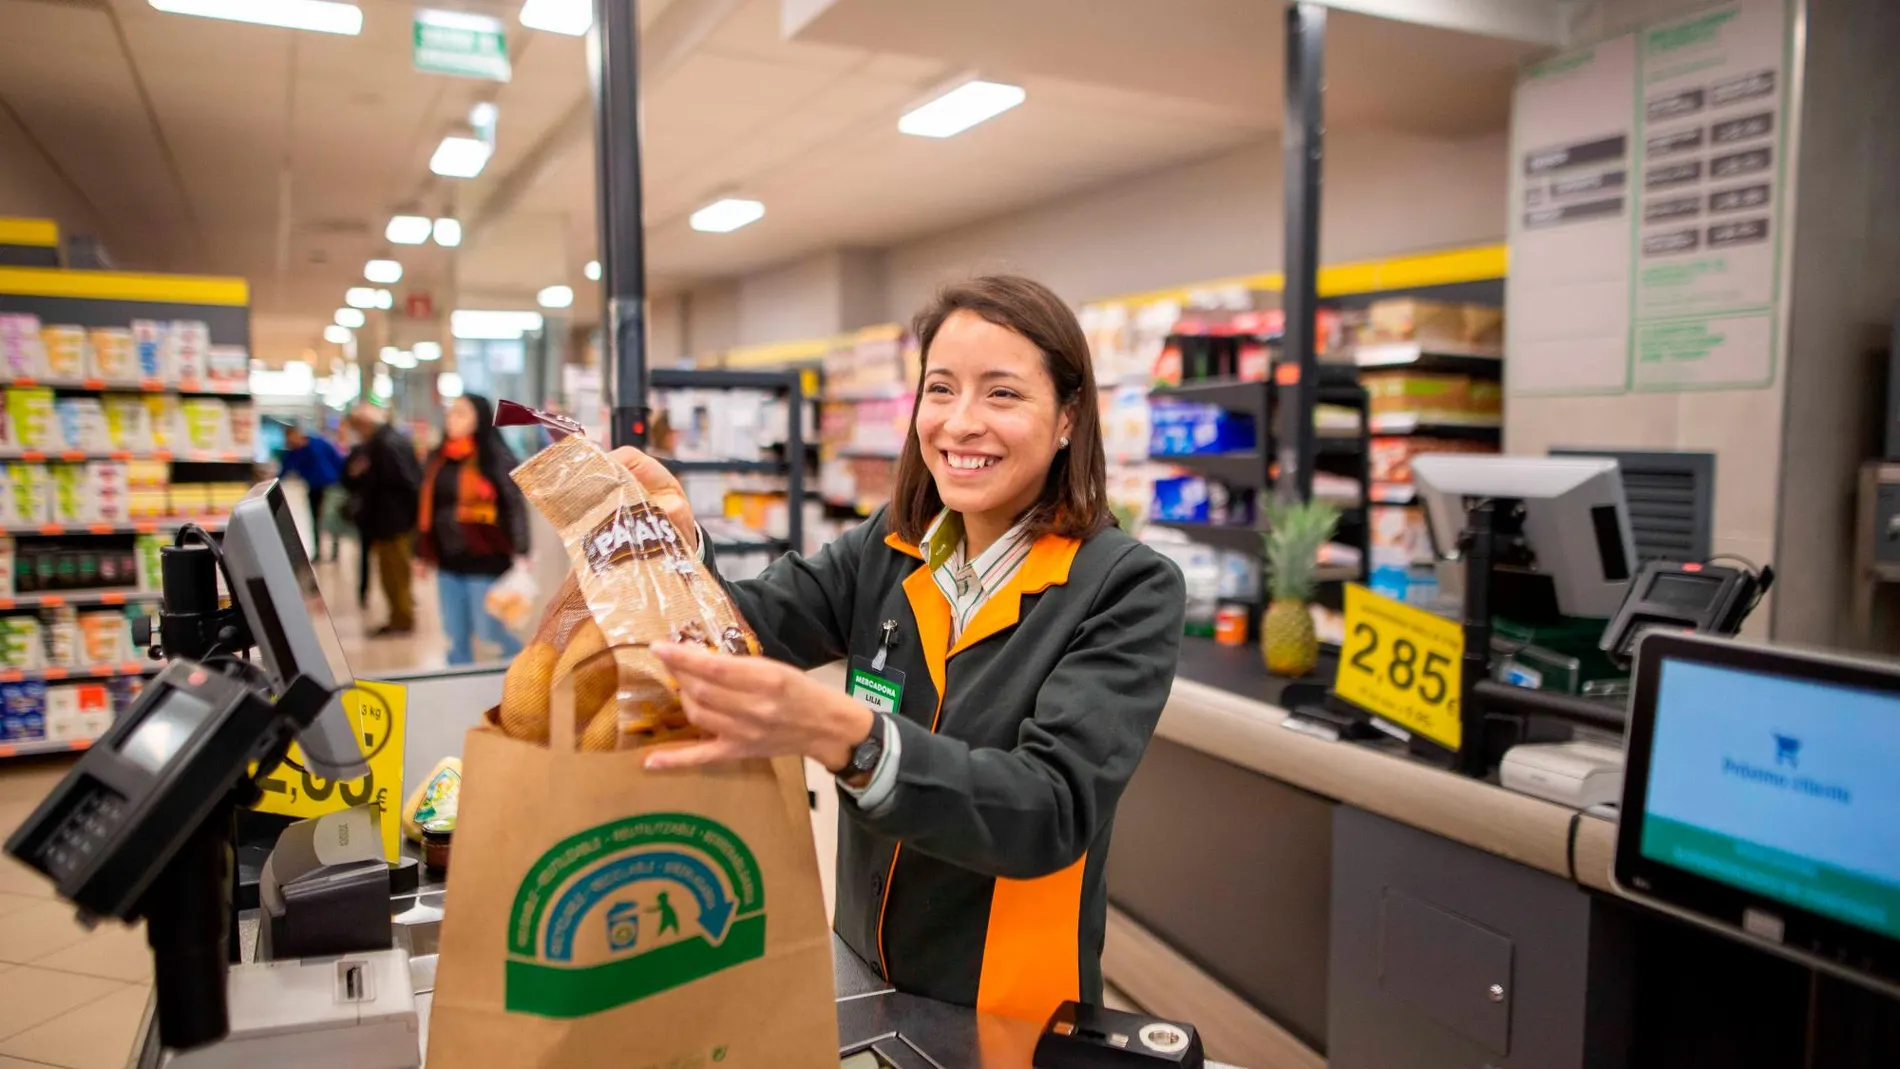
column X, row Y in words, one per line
column 757, row 707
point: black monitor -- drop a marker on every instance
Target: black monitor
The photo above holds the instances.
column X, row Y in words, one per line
column 1762, row 799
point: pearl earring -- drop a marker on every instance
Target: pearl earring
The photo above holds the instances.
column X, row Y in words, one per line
column 1062, row 443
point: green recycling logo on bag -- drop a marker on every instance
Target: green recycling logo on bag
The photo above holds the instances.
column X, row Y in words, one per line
column 629, row 909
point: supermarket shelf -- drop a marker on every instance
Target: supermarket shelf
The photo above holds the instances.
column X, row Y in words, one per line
column 1235, row 394
column 1235, row 469
column 774, row 546
column 195, row 456
column 94, row 671
column 30, row 747
column 1431, row 356
column 77, row 598
column 738, row 467
column 53, row 530
column 1419, row 423
column 210, row 389
column 1226, row 536
column 862, row 454
column 1394, row 493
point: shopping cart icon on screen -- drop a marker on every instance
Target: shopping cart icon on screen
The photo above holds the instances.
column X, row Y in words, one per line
column 1787, row 751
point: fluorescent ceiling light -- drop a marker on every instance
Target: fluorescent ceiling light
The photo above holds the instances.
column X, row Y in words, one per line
column 323, row 16
column 361, row 297
column 727, row 214
column 351, row 318
column 555, row 297
column 384, row 299
column 484, row 115
column 407, row 229
column 592, row 270
column 474, row 325
column 460, row 156
column 427, row 351
column 961, row 108
column 448, row 385
column 337, row 334
column 401, row 359
column 571, row 17
column 384, row 271
column 448, row 232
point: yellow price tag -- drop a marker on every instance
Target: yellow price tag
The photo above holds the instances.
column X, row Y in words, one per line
column 378, row 711
column 1403, row 664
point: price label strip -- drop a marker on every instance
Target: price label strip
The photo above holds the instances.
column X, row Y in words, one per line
column 1402, row 664
column 378, row 711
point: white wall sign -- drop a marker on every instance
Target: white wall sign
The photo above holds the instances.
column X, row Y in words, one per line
column 1647, row 227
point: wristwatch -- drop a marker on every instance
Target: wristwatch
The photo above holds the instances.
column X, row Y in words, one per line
column 865, row 755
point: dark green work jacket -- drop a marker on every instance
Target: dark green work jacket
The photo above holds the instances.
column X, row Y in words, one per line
column 981, row 879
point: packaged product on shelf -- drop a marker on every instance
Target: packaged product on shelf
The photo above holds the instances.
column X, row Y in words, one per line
column 22, row 643
column 146, row 549
column 221, row 498
column 207, row 425
column 1432, row 397
column 62, row 637
column 65, row 347
column 115, row 356
column 243, row 423
column 121, row 692
column 189, row 500
column 1239, row 576
column 32, row 421
column 7, row 559
column 117, row 569
column 187, row 346
column 73, row 503
column 76, row 711
column 82, row 424
column 129, row 423
column 22, row 354
column 106, row 481
column 23, row 711
column 1411, row 319
column 228, row 365
column 148, row 344
column 1125, row 425
column 26, row 499
column 167, row 421
column 1399, row 533
column 1191, row 429
column 102, row 637
column 1391, row 457
column 1180, row 499
column 147, row 484
column 1229, row 506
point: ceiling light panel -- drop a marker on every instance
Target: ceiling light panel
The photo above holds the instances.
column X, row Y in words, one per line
column 427, row 351
column 571, row 17
column 480, row 325
column 321, row 16
column 448, row 233
column 361, row 297
column 727, row 214
column 337, row 335
column 961, row 108
column 408, row 229
column 351, row 318
column 460, row 156
column 555, row 297
column 384, row 271
column 592, row 270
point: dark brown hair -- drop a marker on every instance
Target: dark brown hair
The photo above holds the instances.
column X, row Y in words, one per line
column 1074, row 501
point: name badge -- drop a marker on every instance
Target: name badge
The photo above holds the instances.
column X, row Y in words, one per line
column 880, row 691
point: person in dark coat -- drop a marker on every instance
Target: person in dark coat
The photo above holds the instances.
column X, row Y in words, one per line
column 473, row 525
column 385, row 478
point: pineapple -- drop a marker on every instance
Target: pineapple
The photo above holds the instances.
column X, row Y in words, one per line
column 1294, row 534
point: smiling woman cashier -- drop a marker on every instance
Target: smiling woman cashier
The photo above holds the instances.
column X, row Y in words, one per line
column 1027, row 645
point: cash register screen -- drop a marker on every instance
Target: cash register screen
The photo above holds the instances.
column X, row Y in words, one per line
column 163, row 731
column 1782, row 787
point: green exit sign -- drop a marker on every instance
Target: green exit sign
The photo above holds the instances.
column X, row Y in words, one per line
column 468, row 46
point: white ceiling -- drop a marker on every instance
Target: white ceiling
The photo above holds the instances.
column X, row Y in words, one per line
column 222, row 148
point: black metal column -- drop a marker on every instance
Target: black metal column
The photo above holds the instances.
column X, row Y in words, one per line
column 1304, row 136
column 614, row 54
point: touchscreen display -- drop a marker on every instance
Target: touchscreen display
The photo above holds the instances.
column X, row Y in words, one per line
column 163, row 731
column 1785, row 788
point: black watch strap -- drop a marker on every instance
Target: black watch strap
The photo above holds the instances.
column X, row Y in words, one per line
column 865, row 755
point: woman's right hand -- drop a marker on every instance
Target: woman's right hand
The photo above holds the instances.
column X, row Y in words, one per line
column 663, row 490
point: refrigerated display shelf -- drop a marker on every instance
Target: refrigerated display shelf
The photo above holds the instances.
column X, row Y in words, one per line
column 90, row 671
column 75, row 598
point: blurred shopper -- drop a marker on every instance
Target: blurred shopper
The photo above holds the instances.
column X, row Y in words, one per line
column 473, row 524
column 320, row 465
column 384, row 476
column 353, row 515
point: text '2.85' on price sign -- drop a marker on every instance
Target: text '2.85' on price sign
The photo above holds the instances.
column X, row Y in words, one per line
column 1402, row 664
column 377, row 712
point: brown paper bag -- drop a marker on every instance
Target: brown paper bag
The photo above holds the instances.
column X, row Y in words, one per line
column 602, row 915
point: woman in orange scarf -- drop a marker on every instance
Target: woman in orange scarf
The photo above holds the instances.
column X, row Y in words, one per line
column 473, row 524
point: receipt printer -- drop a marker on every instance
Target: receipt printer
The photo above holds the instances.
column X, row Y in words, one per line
column 1093, row 1037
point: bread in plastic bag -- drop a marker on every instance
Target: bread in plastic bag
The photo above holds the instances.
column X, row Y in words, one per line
column 633, row 583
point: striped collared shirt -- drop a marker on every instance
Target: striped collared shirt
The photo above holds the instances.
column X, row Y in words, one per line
column 968, row 584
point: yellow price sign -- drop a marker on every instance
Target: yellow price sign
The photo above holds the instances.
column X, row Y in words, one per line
column 377, row 710
column 1403, row 664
